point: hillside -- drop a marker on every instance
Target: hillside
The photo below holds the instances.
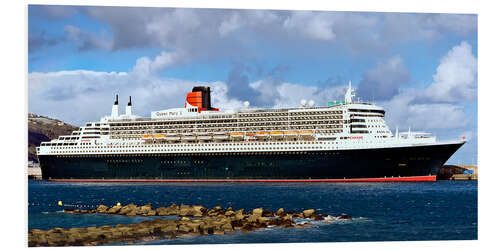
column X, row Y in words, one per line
column 42, row 128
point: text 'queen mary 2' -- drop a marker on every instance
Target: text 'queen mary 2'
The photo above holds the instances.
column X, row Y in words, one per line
column 344, row 141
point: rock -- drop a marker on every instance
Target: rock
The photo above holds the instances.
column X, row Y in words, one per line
column 198, row 211
column 206, row 228
column 194, row 226
column 172, row 210
column 146, row 210
column 217, row 210
column 253, row 218
column 280, row 212
column 184, row 228
column 162, row 211
column 317, row 217
column 185, row 210
column 345, row 217
column 257, row 211
column 263, row 220
column 132, row 213
column 128, row 209
column 307, row 213
column 218, row 221
column 227, row 227
column 267, row 213
column 230, row 213
column 102, row 209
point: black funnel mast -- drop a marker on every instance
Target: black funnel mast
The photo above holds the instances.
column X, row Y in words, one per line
column 116, row 100
column 129, row 101
column 205, row 96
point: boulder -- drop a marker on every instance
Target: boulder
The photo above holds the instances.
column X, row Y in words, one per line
column 307, row 213
column 229, row 213
column 345, row 217
column 253, row 218
column 172, row 209
column 217, row 210
column 102, row 209
column 198, row 211
column 258, row 212
column 162, row 211
column 280, row 212
column 128, row 209
column 184, row 228
column 317, row 217
column 146, row 210
column 227, row 227
column 263, row 220
column 267, row 213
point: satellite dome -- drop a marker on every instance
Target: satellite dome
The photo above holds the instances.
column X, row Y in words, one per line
column 303, row 102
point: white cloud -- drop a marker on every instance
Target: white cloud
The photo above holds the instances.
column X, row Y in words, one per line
column 403, row 112
column 88, row 40
column 207, row 34
column 314, row 25
column 229, row 25
column 145, row 66
column 456, row 77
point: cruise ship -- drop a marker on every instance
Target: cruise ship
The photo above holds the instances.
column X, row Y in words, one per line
column 343, row 141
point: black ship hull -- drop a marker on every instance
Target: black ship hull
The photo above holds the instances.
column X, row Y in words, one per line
column 398, row 163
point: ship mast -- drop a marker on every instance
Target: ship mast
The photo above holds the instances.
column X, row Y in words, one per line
column 349, row 94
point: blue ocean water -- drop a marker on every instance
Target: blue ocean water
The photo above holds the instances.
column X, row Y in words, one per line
column 390, row 211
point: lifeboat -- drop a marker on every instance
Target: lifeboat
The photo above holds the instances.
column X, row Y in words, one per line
column 220, row 136
column 173, row 137
column 290, row 134
column 305, row 133
column 262, row 135
column 152, row 137
column 204, row 136
column 237, row 135
column 188, row 137
column 276, row 133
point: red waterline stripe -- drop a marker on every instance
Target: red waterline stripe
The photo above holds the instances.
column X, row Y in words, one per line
column 413, row 178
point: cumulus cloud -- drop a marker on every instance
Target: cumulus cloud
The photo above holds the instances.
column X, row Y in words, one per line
column 456, row 77
column 429, row 116
column 37, row 41
column 79, row 96
column 86, row 40
column 440, row 105
column 315, row 25
column 145, row 66
column 383, row 81
column 208, row 34
column 403, row 27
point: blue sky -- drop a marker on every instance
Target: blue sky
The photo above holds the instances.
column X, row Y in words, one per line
column 422, row 68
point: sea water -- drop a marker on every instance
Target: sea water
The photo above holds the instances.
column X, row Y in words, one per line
column 381, row 211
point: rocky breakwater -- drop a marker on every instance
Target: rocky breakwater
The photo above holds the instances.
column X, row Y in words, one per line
column 192, row 220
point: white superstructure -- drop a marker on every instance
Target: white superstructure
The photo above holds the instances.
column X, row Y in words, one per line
column 338, row 126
